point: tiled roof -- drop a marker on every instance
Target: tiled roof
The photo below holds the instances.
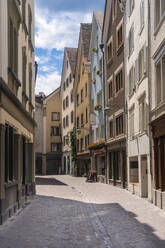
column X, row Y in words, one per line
column 99, row 18
column 86, row 29
column 72, row 56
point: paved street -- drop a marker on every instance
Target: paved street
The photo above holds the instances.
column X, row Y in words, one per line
column 68, row 212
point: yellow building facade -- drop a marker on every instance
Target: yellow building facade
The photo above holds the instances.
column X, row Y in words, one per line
column 48, row 136
column 82, row 100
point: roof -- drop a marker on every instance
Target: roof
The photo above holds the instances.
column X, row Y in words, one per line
column 85, row 30
column 72, row 56
column 99, row 18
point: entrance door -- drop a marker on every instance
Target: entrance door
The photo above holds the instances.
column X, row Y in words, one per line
column 144, row 174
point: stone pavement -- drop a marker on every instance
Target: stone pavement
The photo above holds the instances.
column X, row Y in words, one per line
column 69, row 212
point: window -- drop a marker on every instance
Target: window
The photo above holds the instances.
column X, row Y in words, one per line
column 55, row 131
column 94, row 73
column 131, row 124
column 82, row 95
column 71, row 96
column 114, row 9
column 86, row 114
column 82, row 119
column 67, row 101
column 86, row 89
column 78, row 123
column 30, row 82
column 78, row 146
column 55, row 147
column 109, row 50
column 111, row 129
column 97, row 134
column 119, row 37
column 70, row 77
column 64, row 122
column 81, row 144
column 24, row 62
column 159, row 11
column 72, row 117
column 67, row 64
column 101, row 65
column 77, row 99
column 24, row 11
column 86, row 142
column 142, row 115
column 110, row 89
column 64, row 86
column 141, row 15
column 13, row 48
column 141, row 64
column 55, row 116
column 30, row 21
column 160, row 80
column 119, row 80
column 119, row 125
column 67, row 121
column 99, row 98
column 131, row 80
column 131, row 40
column 9, row 153
column 64, row 104
column 67, row 83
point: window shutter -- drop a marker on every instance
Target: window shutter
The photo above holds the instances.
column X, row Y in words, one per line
column 145, row 116
column 137, row 70
column 132, row 30
column 140, row 117
column 145, row 58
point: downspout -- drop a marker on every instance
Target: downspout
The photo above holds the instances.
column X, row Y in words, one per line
column 149, row 94
column 104, row 112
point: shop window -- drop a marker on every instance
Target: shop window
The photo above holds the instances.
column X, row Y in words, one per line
column 134, row 172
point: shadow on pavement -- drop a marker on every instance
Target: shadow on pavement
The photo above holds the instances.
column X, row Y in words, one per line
column 49, row 181
column 122, row 226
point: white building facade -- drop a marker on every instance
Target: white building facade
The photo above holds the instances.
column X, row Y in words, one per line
column 137, row 98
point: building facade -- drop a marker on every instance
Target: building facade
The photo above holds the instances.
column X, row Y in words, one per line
column 136, row 62
column 17, row 125
column 113, row 39
column 82, row 99
column 51, row 148
column 97, row 97
column 67, row 82
column 157, row 94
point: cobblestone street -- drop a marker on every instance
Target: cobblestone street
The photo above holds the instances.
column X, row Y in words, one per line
column 68, row 212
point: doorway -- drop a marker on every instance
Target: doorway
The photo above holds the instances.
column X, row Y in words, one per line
column 144, row 176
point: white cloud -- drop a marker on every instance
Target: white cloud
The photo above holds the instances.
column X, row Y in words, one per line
column 48, row 82
column 58, row 30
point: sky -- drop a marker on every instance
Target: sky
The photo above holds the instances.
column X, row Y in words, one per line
column 57, row 25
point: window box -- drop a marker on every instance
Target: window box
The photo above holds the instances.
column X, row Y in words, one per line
column 98, row 107
column 97, row 145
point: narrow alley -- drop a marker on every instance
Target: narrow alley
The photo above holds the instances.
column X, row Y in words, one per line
column 69, row 212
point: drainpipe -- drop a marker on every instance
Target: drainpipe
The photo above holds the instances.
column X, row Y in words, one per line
column 149, row 94
column 104, row 112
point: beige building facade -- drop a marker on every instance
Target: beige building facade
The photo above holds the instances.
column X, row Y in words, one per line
column 157, row 92
column 67, row 82
column 17, row 125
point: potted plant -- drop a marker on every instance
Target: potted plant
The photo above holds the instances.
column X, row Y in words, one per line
column 94, row 50
column 99, row 72
column 98, row 107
